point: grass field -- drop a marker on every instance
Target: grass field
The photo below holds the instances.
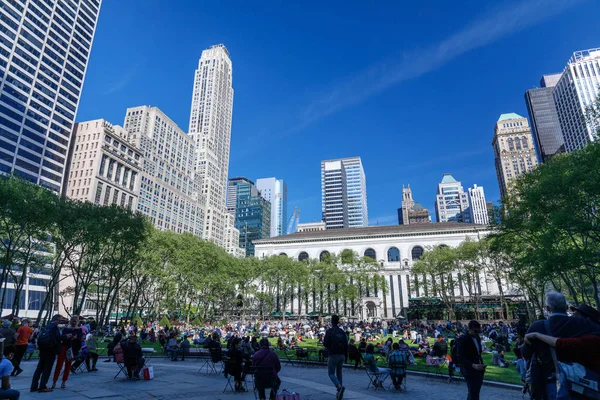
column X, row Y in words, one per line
column 493, row 373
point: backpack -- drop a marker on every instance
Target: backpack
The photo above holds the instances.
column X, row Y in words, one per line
column 46, row 340
column 338, row 341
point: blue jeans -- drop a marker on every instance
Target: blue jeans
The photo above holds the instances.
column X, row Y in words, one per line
column 334, row 368
column 10, row 394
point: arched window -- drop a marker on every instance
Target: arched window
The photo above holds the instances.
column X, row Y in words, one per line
column 283, row 254
column 511, row 146
column 371, row 254
column 393, row 254
column 303, row 256
column 324, row 256
column 417, row 252
column 525, row 145
column 518, row 143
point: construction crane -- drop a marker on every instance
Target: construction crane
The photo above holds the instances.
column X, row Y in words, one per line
column 293, row 224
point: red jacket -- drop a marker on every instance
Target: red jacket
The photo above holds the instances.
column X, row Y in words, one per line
column 584, row 350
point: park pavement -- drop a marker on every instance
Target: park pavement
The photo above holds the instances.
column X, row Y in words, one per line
column 181, row 380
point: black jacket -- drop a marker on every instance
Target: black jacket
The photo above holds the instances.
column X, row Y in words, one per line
column 560, row 326
column 468, row 354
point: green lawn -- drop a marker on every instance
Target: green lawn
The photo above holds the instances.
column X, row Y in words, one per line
column 506, row 375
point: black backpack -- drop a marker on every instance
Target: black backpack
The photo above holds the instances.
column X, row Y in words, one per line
column 46, row 340
column 338, row 341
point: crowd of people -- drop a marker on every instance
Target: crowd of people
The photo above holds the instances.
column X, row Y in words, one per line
column 540, row 350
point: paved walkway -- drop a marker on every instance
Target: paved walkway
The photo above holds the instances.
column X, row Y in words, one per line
column 181, row 380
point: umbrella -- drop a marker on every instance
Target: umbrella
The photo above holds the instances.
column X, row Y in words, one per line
column 306, row 326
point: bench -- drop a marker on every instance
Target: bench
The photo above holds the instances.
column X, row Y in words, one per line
column 195, row 353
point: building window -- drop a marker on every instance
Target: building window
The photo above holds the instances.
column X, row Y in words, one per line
column 393, row 254
column 417, row 252
column 370, row 253
column 303, row 256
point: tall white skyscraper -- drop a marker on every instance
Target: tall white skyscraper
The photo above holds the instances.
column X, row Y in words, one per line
column 210, row 129
column 477, row 206
column 275, row 191
column 451, row 202
column 576, row 90
column 44, row 52
column 344, row 193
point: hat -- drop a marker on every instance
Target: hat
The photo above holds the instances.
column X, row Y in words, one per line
column 6, row 324
column 587, row 312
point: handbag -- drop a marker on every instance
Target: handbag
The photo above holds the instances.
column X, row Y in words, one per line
column 70, row 354
column 148, row 373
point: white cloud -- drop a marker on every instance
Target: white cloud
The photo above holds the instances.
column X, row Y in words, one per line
column 484, row 30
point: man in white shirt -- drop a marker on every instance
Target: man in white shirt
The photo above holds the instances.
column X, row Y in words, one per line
column 6, row 368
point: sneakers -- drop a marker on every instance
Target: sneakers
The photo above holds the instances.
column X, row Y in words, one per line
column 340, row 393
column 45, row 390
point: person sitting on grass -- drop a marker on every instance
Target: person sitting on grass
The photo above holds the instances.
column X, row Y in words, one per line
column 440, row 348
column 371, row 366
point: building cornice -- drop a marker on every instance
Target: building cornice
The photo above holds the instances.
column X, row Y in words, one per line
column 316, row 239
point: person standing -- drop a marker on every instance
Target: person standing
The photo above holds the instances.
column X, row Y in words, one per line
column 23, row 334
column 336, row 343
column 71, row 343
column 8, row 334
column 48, row 342
column 468, row 350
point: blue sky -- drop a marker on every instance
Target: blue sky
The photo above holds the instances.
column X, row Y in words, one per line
column 414, row 88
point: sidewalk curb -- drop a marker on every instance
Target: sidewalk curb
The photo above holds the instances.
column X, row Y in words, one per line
column 421, row 373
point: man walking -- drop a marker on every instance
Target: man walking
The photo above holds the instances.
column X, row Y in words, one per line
column 470, row 361
column 48, row 343
column 23, row 334
column 336, row 343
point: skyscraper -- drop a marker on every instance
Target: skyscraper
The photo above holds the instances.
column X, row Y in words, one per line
column 252, row 214
column 344, row 193
column 514, row 152
column 210, row 129
column 44, row 52
column 275, row 191
column 168, row 191
column 105, row 166
column 479, row 213
column 411, row 212
column 333, row 195
column 576, row 90
column 451, row 202
column 547, row 135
